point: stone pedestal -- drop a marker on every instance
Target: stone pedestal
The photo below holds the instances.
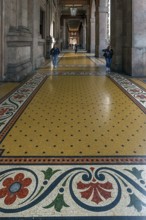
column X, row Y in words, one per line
column 19, row 63
column 22, row 49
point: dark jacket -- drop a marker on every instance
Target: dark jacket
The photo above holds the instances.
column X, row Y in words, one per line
column 54, row 51
column 108, row 53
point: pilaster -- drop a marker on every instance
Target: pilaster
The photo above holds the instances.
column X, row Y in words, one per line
column 117, row 34
column 127, row 37
column 84, row 33
column 92, row 25
column 2, row 40
column 138, row 38
column 103, row 16
column 88, row 30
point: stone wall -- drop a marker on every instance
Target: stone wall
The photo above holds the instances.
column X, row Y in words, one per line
column 18, row 43
column 22, row 48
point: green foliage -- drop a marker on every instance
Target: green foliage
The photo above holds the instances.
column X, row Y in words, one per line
column 49, row 173
column 58, row 203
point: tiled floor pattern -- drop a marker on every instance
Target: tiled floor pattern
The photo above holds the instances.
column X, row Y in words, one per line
column 137, row 94
column 1, row 151
column 143, row 80
column 71, row 63
column 15, row 103
column 85, row 115
column 140, row 82
column 5, row 88
column 77, row 151
column 89, row 190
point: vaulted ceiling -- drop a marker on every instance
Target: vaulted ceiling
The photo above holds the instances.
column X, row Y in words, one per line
column 73, row 21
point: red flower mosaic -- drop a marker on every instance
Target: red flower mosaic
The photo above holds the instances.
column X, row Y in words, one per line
column 95, row 190
column 135, row 90
column 25, row 90
column 15, row 188
column 3, row 111
column 141, row 96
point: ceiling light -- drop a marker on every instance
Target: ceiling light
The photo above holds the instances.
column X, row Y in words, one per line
column 73, row 11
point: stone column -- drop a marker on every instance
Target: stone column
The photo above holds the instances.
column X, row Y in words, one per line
column 127, row 37
column 117, row 33
column 22, row 18
column 2, row 42
column 19, row 41
column 84, row 34
column 138, row 38
column 48, row 36
column 35, row 19
column 103, row 16
column 64, row 34
column 52, row 22
column 88, row 30
column 81, row 35
column 97, row 29
column 13, row 10
column 92, row 24
column 67, row 37
column 58, row 27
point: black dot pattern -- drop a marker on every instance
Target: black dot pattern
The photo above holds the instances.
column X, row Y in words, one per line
column 78, row 115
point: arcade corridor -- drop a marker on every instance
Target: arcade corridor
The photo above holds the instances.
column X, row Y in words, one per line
column 73, row 143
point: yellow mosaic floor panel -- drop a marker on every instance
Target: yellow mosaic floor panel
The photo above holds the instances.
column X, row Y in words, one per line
column 72, row 144
column 80, row 116
column 140, row 82
column 72, row 62
column 6, row 88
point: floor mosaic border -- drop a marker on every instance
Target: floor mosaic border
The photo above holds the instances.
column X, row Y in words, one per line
column 136, row 93
column 15, row 102
column 28, row 160
column 78, row 218
column 98, row 61
column 143, row 80
column 56, row 72
column 1, row 152
column 81, row 190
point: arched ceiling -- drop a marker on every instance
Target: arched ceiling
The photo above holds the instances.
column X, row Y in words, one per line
column 73, row 21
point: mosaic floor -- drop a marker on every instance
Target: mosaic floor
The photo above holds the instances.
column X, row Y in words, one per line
column 72, row 144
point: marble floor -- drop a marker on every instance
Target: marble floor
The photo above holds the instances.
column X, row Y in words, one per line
column 73, row 143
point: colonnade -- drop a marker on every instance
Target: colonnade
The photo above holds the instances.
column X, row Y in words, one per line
column 24, row 43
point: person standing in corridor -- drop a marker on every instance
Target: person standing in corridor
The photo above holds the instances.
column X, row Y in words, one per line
column 108, row 54
column 76, row 48
column 54, row 52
